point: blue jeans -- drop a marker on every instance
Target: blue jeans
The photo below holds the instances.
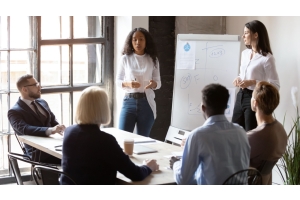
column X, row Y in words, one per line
column 139, row 112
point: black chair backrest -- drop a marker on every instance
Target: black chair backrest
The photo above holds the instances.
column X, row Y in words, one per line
column 266, row 167
column 21, row 144
column 49, row 175
column 13, row 161
column 244, row 177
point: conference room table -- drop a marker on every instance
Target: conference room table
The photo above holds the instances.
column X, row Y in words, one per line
column 163, row 176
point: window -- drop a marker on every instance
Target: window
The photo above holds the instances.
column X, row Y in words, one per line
column 65, row 54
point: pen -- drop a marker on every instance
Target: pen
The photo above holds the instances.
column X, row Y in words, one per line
column 58, row 146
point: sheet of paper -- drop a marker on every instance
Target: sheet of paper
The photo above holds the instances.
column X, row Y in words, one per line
column 185, row 58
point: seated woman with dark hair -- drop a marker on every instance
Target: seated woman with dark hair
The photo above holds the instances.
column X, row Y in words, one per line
column 268, row 140
column 91, row 156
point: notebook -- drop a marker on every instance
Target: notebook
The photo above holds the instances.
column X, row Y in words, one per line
column 143, row 140
column 140, row 149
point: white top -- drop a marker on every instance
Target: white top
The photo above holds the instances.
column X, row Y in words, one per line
column 141, row 69
column 259, row 68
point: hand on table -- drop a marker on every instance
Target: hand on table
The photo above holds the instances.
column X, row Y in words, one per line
column 172, row 161
column 151, row 164
column 58, row 129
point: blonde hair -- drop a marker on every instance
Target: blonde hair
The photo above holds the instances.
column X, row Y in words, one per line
column 92, row 107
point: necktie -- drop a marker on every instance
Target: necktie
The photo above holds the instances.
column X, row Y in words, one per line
column 42, row 117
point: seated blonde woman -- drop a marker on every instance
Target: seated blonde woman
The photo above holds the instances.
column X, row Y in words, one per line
column 91, row 156
column 268, row 141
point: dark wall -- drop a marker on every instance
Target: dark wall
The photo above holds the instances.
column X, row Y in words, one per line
column 163, row 31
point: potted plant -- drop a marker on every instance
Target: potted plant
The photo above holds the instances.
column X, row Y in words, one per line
column 289, row 164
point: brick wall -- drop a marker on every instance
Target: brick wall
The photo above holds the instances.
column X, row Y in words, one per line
column 163, row 31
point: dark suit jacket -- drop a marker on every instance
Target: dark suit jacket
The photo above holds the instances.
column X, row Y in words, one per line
column 93, row 157
column 25, row 121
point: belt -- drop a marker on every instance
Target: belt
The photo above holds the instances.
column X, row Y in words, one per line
column 135, row 95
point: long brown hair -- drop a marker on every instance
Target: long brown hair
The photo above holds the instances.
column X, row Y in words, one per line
column 263, row 44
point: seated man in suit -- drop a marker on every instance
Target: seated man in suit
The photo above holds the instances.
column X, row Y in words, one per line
column 268, row 140
column 32, row 116
column 215, row 150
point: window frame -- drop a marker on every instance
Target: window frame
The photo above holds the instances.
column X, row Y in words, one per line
column 107, row 40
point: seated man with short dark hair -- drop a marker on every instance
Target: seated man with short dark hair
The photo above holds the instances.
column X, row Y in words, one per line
column 215, row 150
column 32, row 116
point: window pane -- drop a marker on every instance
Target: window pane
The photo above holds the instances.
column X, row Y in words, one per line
column 14, row 97
column 20, row 32
column 54, row 65
column 87, row 27
column 21, row 62
column 3, row 113
column 4, row 123
column 76, row 96
column 15, row 148
column 55, row 27
column 3, row 69
column 60, row 106
column 3, row 155
column 3, row 32
column 87, row 63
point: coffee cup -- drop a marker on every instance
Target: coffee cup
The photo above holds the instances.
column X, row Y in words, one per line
column 128, row 146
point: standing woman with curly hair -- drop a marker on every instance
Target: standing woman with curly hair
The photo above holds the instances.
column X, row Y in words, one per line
column 138, row 74
column 257, row 64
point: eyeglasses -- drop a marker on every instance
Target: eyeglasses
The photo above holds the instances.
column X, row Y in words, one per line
column 37, row 84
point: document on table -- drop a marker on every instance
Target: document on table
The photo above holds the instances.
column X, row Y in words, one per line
column 143, row 140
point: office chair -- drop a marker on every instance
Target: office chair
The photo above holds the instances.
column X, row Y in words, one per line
column 249, row 176
column 13, row 161
column 266, row 167
column 21, row 144
column 265, row 170
column 49, row 175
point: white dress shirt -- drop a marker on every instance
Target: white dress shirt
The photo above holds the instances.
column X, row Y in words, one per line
column 259, row 68
column 141, row 69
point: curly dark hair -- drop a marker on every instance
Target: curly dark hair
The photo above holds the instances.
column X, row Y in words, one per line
column 263, row 43
column 150, row 45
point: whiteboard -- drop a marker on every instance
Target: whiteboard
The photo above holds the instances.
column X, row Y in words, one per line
column 215, row 59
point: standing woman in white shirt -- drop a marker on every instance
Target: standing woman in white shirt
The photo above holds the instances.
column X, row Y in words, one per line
column 257, row 64
column 138, row 75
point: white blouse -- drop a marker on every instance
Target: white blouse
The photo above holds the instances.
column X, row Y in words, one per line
column 141, row 69
column 259, row 68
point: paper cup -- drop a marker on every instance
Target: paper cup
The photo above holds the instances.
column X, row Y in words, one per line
column 128, row 146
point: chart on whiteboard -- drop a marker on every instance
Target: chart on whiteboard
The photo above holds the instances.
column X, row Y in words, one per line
column 214, row 62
